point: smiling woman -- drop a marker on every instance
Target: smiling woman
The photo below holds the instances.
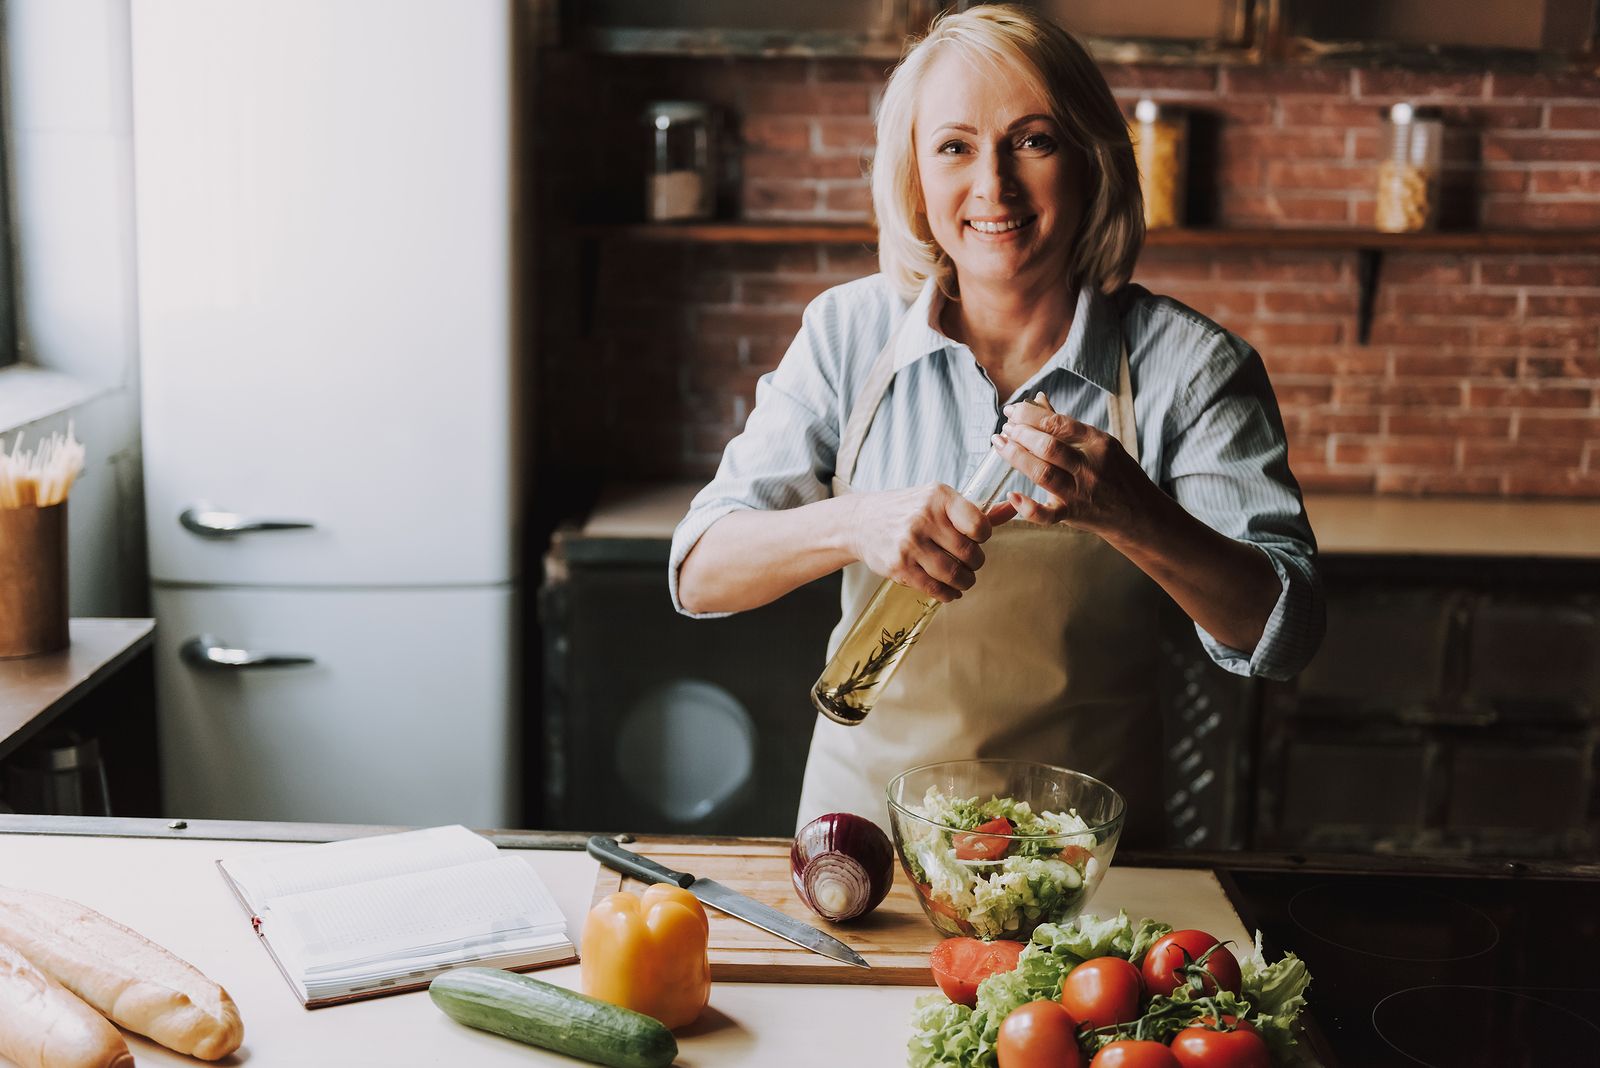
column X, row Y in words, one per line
column 1004, row 117
column 1150, row 463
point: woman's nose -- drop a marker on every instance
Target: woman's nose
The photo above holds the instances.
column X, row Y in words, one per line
column 994, row 181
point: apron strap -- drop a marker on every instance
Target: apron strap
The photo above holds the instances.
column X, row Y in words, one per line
column 1119, row 411
column 862, row 413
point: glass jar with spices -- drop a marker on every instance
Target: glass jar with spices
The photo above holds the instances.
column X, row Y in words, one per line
column 1161, row 146
column 1408, row 170
column 682, row 181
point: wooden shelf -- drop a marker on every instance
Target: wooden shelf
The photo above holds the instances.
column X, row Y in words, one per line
column 1368, row 245
column 35, row 690
column 1463, row 241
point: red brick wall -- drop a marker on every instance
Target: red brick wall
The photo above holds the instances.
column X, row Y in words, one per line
column 1482, row 376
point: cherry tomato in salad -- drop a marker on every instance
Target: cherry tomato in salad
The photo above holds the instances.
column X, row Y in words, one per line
column 1134, row 1053
column 1164, row 963
column 960, row 964
column 977, row 843
column 1076, row 855
column 1040, row 1034
column 1102, row 992
column 1199, row 1047
column 944, row 908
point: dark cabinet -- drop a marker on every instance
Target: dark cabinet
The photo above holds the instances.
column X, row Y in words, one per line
column 654, row 722
column 875, row 28
column 1528, row 25
column 1460, row 717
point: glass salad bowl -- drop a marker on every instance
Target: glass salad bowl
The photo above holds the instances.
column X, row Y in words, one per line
column 997, row 847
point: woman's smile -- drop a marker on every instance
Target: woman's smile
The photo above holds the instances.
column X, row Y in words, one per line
column 1007, row 228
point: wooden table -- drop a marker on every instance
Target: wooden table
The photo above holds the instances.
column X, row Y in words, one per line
column 168, row 889
column 35, row 690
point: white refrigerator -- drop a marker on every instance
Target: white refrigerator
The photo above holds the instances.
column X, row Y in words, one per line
column 324, row 211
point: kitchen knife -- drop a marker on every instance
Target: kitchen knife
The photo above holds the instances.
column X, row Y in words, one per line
column 735, row 904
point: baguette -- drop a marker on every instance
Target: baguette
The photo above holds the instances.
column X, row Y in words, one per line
column 43, row 1025
column 128, row 978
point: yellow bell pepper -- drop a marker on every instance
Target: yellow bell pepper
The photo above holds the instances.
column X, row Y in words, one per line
column 648, row 953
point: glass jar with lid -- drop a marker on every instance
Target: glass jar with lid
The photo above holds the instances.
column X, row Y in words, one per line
column 1408, row 169
column 1160, row 135
column 682, row 181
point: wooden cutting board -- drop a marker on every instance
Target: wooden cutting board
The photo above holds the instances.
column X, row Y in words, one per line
column 896, row 937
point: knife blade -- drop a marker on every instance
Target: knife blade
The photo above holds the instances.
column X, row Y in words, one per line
column 740, row 906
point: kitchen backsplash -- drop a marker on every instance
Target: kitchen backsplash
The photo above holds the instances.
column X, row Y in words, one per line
column 1482, row 375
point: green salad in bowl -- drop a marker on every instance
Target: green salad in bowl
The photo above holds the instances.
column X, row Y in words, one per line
column 998, row 847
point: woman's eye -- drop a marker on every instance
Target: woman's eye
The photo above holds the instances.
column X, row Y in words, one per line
column 1038, row 141
column 950, row 148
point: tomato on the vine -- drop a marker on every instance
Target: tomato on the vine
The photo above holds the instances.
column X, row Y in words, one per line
column 960, row 964
column 1040, row 1034
column 1200, row 1047
column 978, row 844
column 1164, row 963
column 1134, row 1053
column 1102, row 992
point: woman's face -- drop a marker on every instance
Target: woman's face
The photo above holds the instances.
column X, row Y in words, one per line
column 1002, row 188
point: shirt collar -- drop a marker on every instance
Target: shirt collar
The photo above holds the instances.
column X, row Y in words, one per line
column 1092, row 350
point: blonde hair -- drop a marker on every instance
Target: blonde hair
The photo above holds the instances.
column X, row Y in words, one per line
column 1111, row 231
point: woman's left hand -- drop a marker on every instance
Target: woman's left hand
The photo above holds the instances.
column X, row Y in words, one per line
column 1090, row 480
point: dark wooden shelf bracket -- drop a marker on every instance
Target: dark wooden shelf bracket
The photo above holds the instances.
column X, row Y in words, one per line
column 1368, row 261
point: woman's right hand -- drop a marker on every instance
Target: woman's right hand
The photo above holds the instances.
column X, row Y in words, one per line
column 926, row 537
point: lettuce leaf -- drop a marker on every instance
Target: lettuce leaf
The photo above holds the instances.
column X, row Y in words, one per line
column 1149, row 933
column 942, row 1034
column 1275, row 989
column 1277, row 993
column 1088, row 937
column 1024, row 889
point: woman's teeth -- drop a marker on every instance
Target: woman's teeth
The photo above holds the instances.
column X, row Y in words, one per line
column 999, row 227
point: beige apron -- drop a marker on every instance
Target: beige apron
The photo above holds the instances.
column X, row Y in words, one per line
column 1051, row 656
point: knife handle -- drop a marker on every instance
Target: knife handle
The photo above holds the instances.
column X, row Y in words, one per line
column 612, row 855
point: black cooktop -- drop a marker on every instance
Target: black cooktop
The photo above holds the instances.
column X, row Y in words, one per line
column 1439, row 970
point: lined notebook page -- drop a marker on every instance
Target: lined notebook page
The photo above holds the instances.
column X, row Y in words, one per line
column 491, row 902
column 264, row 876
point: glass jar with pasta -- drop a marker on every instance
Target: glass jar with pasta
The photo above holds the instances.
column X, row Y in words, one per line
column 1408, row 170
column 1161, row 146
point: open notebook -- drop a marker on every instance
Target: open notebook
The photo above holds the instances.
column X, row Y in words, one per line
column 380, row 915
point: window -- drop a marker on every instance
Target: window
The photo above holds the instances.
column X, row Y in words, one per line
column 8, row 319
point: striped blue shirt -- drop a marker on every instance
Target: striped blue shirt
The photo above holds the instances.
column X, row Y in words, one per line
column 1209, row 430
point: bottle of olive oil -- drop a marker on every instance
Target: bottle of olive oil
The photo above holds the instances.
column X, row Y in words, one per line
column 894, row 617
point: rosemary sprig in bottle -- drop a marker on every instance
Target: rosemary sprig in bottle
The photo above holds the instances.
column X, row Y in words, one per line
column 864, row 676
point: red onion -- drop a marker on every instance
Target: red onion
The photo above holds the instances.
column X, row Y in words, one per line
column 842, row 864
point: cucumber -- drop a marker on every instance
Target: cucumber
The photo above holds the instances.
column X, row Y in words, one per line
column 553, row 1017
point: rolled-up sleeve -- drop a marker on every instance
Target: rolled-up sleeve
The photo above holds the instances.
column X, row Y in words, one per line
column 1228, row 465
column 784, row 457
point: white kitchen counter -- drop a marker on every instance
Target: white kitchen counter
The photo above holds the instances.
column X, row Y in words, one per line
column 171, row 892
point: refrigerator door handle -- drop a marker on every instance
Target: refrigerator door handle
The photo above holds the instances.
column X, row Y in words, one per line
column 211, row 653
column 209, row 523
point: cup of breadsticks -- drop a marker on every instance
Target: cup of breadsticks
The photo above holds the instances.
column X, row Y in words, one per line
column 34, row 483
